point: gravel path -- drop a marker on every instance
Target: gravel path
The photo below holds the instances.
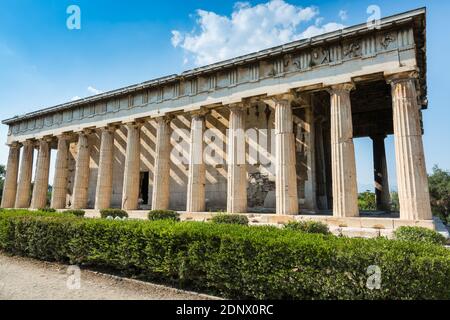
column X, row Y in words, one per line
column 28, row 279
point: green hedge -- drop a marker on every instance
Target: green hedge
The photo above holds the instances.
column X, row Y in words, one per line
column 308, row 227
column 419, row 234
column 234, row 261
column 163, row 215
column 77, row 213
column 230, row 219
column 114, row 213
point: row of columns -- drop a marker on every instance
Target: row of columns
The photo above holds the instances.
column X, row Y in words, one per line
column 411, row 172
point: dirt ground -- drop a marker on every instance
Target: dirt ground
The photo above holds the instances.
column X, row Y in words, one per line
column 28, row 279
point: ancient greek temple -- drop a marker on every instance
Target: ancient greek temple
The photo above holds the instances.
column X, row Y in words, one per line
column 300, row 105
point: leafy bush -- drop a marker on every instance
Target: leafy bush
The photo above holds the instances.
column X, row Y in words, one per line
column 419, row 234
column 105, row 213
column 230, row 219
column 367, row 201
column 308, row 227
column 234, row 261
column 439, row 183
column 163, row 215
column 77, row 213
column 47, row 210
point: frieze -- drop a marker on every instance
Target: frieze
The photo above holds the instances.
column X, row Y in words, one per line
column 299, row 60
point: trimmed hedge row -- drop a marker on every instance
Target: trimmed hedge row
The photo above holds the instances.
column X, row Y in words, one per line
column 113, row 213
column 419, row 234
column 234, row 261
column 228, row 218
column 154, row 215
column 308, row 227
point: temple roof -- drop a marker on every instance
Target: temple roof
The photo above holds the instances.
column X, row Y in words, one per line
column 417, row 17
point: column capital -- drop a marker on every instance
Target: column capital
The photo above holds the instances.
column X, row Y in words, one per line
column 47, row 139
column 236, row 107
column 28, row 143
column 14, row 144
column 285, row 99
column 64, row 136
column 164, row 119
column 395, row 78
column 341, row 87
column 110, row 128
column 134, row 124
column 85, row 131
column 201, row 113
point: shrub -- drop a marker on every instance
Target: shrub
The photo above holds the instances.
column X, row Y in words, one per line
column 308, row 227
column 419, row 234
column 77, row 213
column 163, row 215
column 367, row 201
column 230, row 219
column 234, row 261
column 105, row 213
column 50, row 210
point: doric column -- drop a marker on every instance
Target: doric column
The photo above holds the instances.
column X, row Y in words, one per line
column 26, row 172
column 160, row 197
column 130, row 196
column 104, row 189
column 322, row 199
column 412, row 177
column 10, row 184
column 286, row 175
column 59, row 191
column 380, row 173
column 81, row 181
column 196, row 175
column 237, row 172
column 305, row 150
column 40, row 188
column 345, row 192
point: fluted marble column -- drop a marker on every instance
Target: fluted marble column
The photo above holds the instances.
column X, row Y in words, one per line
column 412, row 178
column 26, row 172
column 104, row 189
column 196, row 175
column 160, row 197
column 59, row 191
column 383, row 196
column 81, row 181
column 130, row 197
column 237, row 171
column 322, row 198
column 345, row 192
column 286, row 175
column 40, row 188
column 10, row 183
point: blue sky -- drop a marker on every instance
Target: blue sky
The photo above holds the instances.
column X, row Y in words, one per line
column 43, row 63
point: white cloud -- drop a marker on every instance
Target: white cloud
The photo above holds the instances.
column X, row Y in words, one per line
column 92, row 90
column 315, row 30
column 177, row 38
column 248, row 29
column 75, row 98
column 343, row 15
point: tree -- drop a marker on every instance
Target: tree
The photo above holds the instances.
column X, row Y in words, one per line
column 439, row 183
column 2, row 179
column 367, row 201
column 395, row 203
